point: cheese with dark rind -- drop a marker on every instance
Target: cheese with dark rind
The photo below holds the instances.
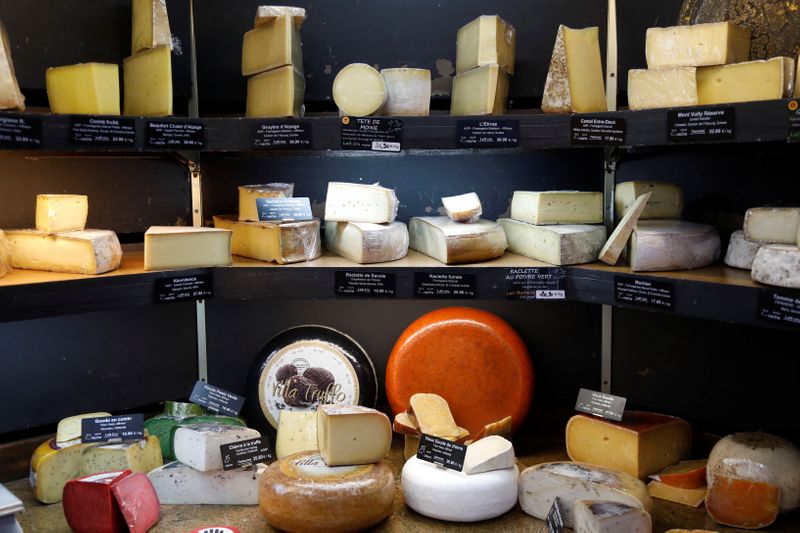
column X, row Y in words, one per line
column 685, row 475
column 91, row 251
column 600, row 516
column 10, row 95
column 282, row 243
column 557, row 244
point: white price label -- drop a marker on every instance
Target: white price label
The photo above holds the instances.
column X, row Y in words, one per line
column 551, row 295
column 385, row 146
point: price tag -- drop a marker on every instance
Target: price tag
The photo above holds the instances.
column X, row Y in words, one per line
column 284, row 135
column 19, row 131
column 601, row 404
column 171, row 134
column 442, row 453
column 782, row 307
column 646, row 293
column 488, row 133
column 538, row 283
column 283, row 209
column 215, row 399
column 182, row 288
column 104, row 131
column 716, row 124
column 245, row 453
column 104, row 429
column 444, row 285
column 368, row 133
column 363, row 284
column 555, row 518
column 794, row 121
column 589, row 130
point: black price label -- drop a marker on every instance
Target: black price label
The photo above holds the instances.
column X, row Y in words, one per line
column 781, row 307
column 125, row 427
column 588, row 130
column 555, row 518
column 716, row 124
column 283, row 209
column 181, row 288
column 245, row 453
column 362, row 284
column 368, row 133
column 794, row 121
column 601, row 404
column 488, row 133
column 169, row 134
column 445, row 285
column 215, row 399
column 537, row 283
column 442, row 452
column 104, row 131
column 17, row 131
column 644, row 292
column 284, row 135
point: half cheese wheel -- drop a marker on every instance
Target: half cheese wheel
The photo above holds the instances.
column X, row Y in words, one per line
column 472, row 358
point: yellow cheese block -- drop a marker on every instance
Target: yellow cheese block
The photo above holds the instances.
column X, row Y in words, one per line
column 690, row 497
column 289, row 242
column 5, row 255
column 61, row 212
column 276, row 93
column 140, row 456
column 480, row 91
column 698, row 45
column 248, row 209
column 52, row 467
column 69, row 428
column 10, row 95
column 273, row 44
column 91, row 251
column 575, row 79
column 487, row 40
column 352, row 434
column 85, row 88
column 147, row 78
column 265, row 14
column 297, row 432
column 150, row 25
column 744, row 82
column 170, row 247
column 667, row 87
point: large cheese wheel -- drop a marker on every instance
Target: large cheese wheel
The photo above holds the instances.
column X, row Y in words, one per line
column 472, row 358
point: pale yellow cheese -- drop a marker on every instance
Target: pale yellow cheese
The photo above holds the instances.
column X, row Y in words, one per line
column 433, row 416
column 265, row 14
column 619, row 238
column 61, row 212
column 85, row 88
column 150, row 25
column 487, row 40
column 410, row 446
column 297, row 432
column 10, row 95
column 276, row 93
column 288, row 242
column 772, row 224
column 147, row 79
column 690, row 497
column 352, row 434
column 140, row 456
column 559, row 244
column 90, row 251
column 698, row 45
column 248, row 208
column 557, row 207
column 274, row 44
column 742, row 82
column 5, row 255
column 667, row 87
column 575, row 78
column 52, row 467
column 666, row 200
column 170, row 247
column 359, row 90
column 480, row 91
column 69, row 428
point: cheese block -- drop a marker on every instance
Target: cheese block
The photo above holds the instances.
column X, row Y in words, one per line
column 666, row 87
column 642, row 444
column 408, row 91
column 495, row 373
column 198, row 445
column 615, row 245
column 566, row 244
column 140, row 456
column 487, row 40
column 297, row 432
column 276, row 93
column 352, row 434
column 90, row 506
column 406, row 424
column 170, row 247
column 455, row 496
column 540, row 485
column 777, row 264
column 684, row 475
column 743, row 503
column 92, row 251
column 288, row 242
column 356, row 202
column 69, row 429
column 463, row 207
column 275, row 43
column 658, row 245
column 364, row 242
column 138, row 501
column 433, row 415
column 557, row 207
column 490, row 453
column 147, row 80
column 302, row 493
column 150, row 25
column 265, row 14
column 51, row 468
column 743, row 82
column 359, row 90
column 164, row 427
column 248, row 208
column 697, row 45
column 180, row 484
column 10, row 95
column 691, row 497
column 741, row 251
column 5, row 255
column 575, row 81
column 410, row 446
column 85, row 88
column 666, row 199
column 57, row 213
column 480, row 91
column 454, row 242
column 601, row 516
column 772, row 224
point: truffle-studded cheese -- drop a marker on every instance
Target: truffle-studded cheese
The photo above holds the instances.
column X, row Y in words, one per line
column 455, row 242
column 198, row 445
column 575, row 79
column 297, row 432
column 564, row 244
column 180, row 484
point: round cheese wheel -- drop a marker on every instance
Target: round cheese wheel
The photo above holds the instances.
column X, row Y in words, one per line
column 301, row 493
column 359, row 90
column 472, row 358
column 456, row 497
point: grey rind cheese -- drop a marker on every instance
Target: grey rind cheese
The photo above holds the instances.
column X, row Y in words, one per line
column 659, row 245
column 565, row 244
column 364, row 242
column 179, row 484
column 772, row 224
column 601, row 516
column 455, row 242
column 779, row 265
column 741, row 251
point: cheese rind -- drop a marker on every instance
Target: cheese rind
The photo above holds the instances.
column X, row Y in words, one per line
column 69, row 428
column 89, row 504
column 147, row 80
column 691, row 497
column 433, row 415
column 463, row 207
column 276, row 93
column 5, row 255
column 777, row 225
column 84, row 89
column 658, row 245
column 356, row 202
column 265, row 14
column 600, row 516
column 454, row 242
column 198, row 445
column 408, row 91
column 480, row 91
column 557, row 207
column 697, row 45
column 150, row 25
column 365, row 243
column 52, row 467
column 180, row 484
column 666, row 199
column 170, row 247
column 487, row 40
column 352, row 434
column 575, row 81
column 276, row 43
column 10, row 95
column 91, row 251
column 284, row 243
column 744, row 82
column 61, row 212
column 741, row 251
column 490, row 453
column 613, row 248
column 297, row 432
column 778, row 265
column 684, row 475
column 667, row 87
column 359, row 90
column 248, row 208
column 743, row 503
column 563, row 244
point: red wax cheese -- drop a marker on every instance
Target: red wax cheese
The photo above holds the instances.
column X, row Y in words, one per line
column 472, row 358
column 138, row 501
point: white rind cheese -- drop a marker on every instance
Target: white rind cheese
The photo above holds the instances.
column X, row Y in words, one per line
column 10, row 95
column 91, row 251
column 778, row 265
column 454, row 242
column 666, row 199
column 180, row 484
column 5, row 255
column 697, row 45
column 463, row 207
column 563, row 244
column 487, row 40
column 364, row 242
column 408, row 91
column 297, row 432
column 619, row 237
column 169, row 247
column 600, row 516
column 355, row 202
column 489, row 453
column 480, row 91
column 557, row 207
column 659, row 245
column 359, row 90
column 778, row 225
column 741, row 251
column 284, row 243
column 667, row 87
column 198, row 445
column 575, row 81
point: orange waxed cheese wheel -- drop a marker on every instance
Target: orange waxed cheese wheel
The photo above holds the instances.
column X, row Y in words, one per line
column 742, row 503
column 472, row 358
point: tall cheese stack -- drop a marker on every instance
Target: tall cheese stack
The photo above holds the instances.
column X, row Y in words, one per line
column 272, row 56
column 172, row 247
column 768, row 246
column 10, row 95
column 558, row 227
column 485, row 50
column 575, row 79
column 147, row 73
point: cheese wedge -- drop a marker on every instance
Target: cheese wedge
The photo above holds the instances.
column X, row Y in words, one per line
column 147, row 79
column 92, row 251
column 697, row 45
column 364, row 242
column 140, row 456
column 600, row 516
column 276, row 93
column 10, row 95
column 52, row 467
column 684, row 475
column 772, row 224
column 487, row 40
column 248, row 208
column 480, row 91
column 352, row 434
column 198, row 445
column 408, row 91
column 284, row 243
column 5, row 255
column 778, row 265
column 565, row 244
column 433, row 415
column 463, row 208
column 490, row 453
column 170, row 247
column 619, row 238
column 741, row 251
column 150, row 25
column 265, row 15
column 557, row 207
column 744, row 82
column 454, row 242
column 85, row 88
column 297, row 432
column 667, row 87
column 691, row 497
column 658, row 245
column 179, row 484
column 355, row 202
column 359, row 90
column 502, row 428
column 666, row 199
column 57, row 213
column 69, row 428
column 275, row 43
column 575, row 81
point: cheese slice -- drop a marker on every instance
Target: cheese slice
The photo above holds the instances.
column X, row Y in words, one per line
column 276, row 93
column 359, row 90
column 557, row 207
column 61, row 212
column 564, row 244
column 248, row 208
column 463, row 208
column 150, row 25
column 69, row 429
column 743, row 82
column 433, row 415
column 600, row 516
column 658, row 245
column 613, row 248
column 265, row 15
column 355, row 202
column 666, row 199
column 490, row 453
column 180, row 484
column 352, row 434
column 297, row 432
column 666, row 87
column 575, row 81
column 170, row 247
column 502, row 427
column 684, row 475
column 10, row 95
column 5, row 255
column 408, row 91
column 697, row 45
column 85, row 88
column 364, row 242
column 92, row 251
column 284, row 243
column 198, row 445
column 406, row 424
column 741, row 251
column 147, row 79
column 772, row 224
column 778, row 265
column 275, row 43
column 455, row 242
column 691, row 497
column 140, row 456
column 480, row 91
column 487, row 40
column 410, row 446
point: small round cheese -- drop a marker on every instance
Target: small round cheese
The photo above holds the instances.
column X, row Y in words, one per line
column 359, row 90
column 741, row 252
column 456, row 497
column 302, row 493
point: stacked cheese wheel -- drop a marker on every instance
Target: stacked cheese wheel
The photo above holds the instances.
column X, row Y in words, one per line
column 360, row 90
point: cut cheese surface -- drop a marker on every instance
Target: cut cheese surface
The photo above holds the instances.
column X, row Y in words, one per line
column 406, row 424
column 248, row 208
column 772, row 224
column 198, row 445
column 359, row 90
column 61, row 212
column 691, row 497
column 69, row 429
column 557, row 207
column 265, row 14
column 5, row 255
column 743, row 82
column 743, row 503
column 288, row 242
column 463, row 207
column 150, row 25
column 564, row 244
column 140, row 456
column 658, row 245
column 741, row 251
column 276, row 93
column 408, row 91
column 179, row 484
column 52, row 467
column 480, row 91
column 276, row 43
column 698, row 45
column 487, row 40
column 365, row 242
column 352, row 434
column 147, row 80
column 684, row 475
column 84, row 89
column 91, row 251
column 432, row 414
column 667, row 87
column 777, row 264
column 490, row 453
column 575, row 81
column 356, row 202
column 297, row 432
column 10, row 95
column 613, row 248
column 169, row 247
column 410, row 446
column 601, row 516
column 666, row 199
column 455, row 242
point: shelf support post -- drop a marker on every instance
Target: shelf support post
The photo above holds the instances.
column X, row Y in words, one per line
column 611, row 57
column 612, row 157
